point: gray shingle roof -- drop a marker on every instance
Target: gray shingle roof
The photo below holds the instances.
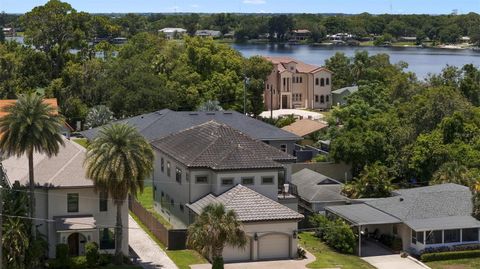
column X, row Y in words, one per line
column 248, row 204
column 164, row 122
column 444, row 223
column 80, row 222
column 220, row 147
column 351, row 89
column 362, row 214
column 315, row 187
column 64, row 170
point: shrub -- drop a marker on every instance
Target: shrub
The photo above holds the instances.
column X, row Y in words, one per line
column 321, row 222
column 105, row 259
column 92, row 255
column 340, row 237
column 452, row 255
column 301, row 253
column 62, row 260
column 79, row 262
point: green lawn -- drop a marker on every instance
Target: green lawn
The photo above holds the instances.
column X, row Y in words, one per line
column 146, row 199
column 81, row 141
column 328, row 258
column 182, row 258
column 456, row 264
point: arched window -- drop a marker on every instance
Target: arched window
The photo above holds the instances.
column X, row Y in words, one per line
column 327, row 97
column 322, row 82
column 322, row 99
column 328, row 82
column 316, row 81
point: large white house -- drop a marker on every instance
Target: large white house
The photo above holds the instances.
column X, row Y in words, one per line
column 68, row 208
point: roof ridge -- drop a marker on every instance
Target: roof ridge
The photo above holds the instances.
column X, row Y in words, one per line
column 157, row 119
column 65, row 166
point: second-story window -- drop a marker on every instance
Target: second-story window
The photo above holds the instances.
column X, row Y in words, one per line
column 72, row 202
column 247, row 180
column 178, row 175
column 168, row 168
column 103, row 199
column 227, row 181
column 162, row 165
column 267, row 180
column 201, row 179
column 283, row 148
column 322, row 82
column 327, row 81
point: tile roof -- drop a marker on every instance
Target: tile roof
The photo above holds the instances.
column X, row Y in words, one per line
column 161, row 123
column 4, row 103
column 248, row 204
column 315, row 187
column 301, row 67
column 304, row 127
column 220, row 147
column 63, row 170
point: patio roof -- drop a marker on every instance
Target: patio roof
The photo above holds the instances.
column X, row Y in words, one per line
column 84, row 222
column 444, row 223
column 362, row 214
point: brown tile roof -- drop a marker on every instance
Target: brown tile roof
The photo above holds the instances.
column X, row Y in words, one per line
column 248, row 204
column 304, row 127
column 301, row 66
column 4, row 103
column 220, row 147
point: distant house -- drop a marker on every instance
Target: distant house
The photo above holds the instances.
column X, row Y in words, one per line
column 164, row 122
column 300, row 35
column 408, row 38
column 208, row 33
column 305, row 127
column 68, row 208
column 8, row 31
column 294, row 84
column 339, row 95
column 465, row 39
column 426, row 217
column 340, row 36
column 119, row 40
column 173, row 33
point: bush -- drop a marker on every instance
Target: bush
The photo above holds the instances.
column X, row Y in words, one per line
column 321, row 222
column 105, row 259
column 79, row 262
column 62, row 259
column 92, row 255
column 340, row 237
column 301, row 253
column 452, row 255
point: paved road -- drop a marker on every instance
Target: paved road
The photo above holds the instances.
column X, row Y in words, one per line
column 394, row 261
column 151, row 255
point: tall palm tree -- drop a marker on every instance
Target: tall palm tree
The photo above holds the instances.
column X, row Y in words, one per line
column 213, row 230
column 29, row 126
column 118, row 161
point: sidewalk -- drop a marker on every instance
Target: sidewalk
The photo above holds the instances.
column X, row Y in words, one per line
column 151, row 255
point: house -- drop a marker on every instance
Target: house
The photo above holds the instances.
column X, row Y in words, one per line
column 339, row 95
column 294, row 84
column 305, row 127
column 212, row 158
column 173, row 33
column 208, row 33
column 425, row 217
column 316, row 191
column 68, row 209
column 300, row 35
column 296, row 113
column 271, row 228
column 8, row 31
column 164, row 122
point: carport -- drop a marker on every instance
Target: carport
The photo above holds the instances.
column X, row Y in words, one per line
column 361, row 216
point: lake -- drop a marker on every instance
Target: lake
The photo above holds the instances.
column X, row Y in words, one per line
column 420, row 60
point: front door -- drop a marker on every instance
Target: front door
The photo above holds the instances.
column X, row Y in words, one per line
column 284, row 101
column 73, row 242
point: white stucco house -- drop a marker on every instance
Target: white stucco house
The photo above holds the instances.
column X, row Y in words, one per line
column 68, row 208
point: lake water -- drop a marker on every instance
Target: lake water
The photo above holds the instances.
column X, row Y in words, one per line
column 420, row 60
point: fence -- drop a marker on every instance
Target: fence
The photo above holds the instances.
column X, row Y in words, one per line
column 173, row 239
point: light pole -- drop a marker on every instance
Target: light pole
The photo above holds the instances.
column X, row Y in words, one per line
column 245, row 82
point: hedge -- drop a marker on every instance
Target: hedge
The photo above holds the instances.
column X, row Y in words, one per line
column 452, row 255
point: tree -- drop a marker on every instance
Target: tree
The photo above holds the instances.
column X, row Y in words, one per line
column 118, row 161
column 213, row 230
column 30, row 126
column 373, row 182
column 454, row 172
column 256, row 70
column 210, row 106
column 98, row 116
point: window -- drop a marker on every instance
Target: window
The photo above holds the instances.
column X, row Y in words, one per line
column 284, row 82
column 316, row 81
column 103, row 201
column 247, row 180
column 181, row 207
column 172, row 202
column 268, row 86
column 322, row 82
column 168, row 168
column 227, row 181
column 283, row 148
column 299, row 97
column 327, row 81
column 107, row 238
column 267, row 180
column 72, row 202
column 451, row 236
column 469, row 235
column 316, row 98
column 178, row 175
column 301, row 80
column 420, row 238
column 322, row 99
column 162, row 165
column 434, row 237
column 162, row 194
column 327, row 98
column 414, row 237
column 201, row 179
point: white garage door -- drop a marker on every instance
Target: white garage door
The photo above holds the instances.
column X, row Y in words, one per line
column 231, row 254
column 274, row 246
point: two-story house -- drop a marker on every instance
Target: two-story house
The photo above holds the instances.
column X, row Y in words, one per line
column 294, row 84
column 213, row 160
column 68, row 209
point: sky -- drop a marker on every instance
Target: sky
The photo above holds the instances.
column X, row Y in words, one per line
column 258, row 6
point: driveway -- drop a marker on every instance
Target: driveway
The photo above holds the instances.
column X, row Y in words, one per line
column 151, row 256
column 394, row 261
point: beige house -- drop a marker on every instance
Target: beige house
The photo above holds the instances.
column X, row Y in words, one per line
column 68, row 209
column 294, row 84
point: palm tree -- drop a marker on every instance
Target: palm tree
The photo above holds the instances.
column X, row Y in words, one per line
column 30, row 126
column 454, row 172
column 213, row 230
column 118, row 161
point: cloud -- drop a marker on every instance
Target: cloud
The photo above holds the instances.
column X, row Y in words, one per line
column 254, row 2
column 194, row 5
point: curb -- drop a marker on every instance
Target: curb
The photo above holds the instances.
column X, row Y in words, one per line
column 418, row 262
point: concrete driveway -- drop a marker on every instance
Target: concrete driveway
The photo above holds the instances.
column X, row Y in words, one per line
column 394, row 261
column 283, row 264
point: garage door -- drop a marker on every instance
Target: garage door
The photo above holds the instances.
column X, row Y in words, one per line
column 274, row 246
column 231, row 254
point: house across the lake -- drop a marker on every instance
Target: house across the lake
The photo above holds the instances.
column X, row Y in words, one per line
column 425, row 217
column 173, row 33
column 339, row 96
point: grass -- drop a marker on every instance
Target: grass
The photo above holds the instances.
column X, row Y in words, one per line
column 121, row 267
column 327, row 257
column 182, row 258
column 456, row 264
column 146, row 200
column 81, row 141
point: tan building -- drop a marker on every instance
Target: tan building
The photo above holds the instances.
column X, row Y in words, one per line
column 294, row 84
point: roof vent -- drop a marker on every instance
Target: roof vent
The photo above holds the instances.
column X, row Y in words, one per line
column 210, row 113
column 193, row 113
column 227, row 113
column 401, row 199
